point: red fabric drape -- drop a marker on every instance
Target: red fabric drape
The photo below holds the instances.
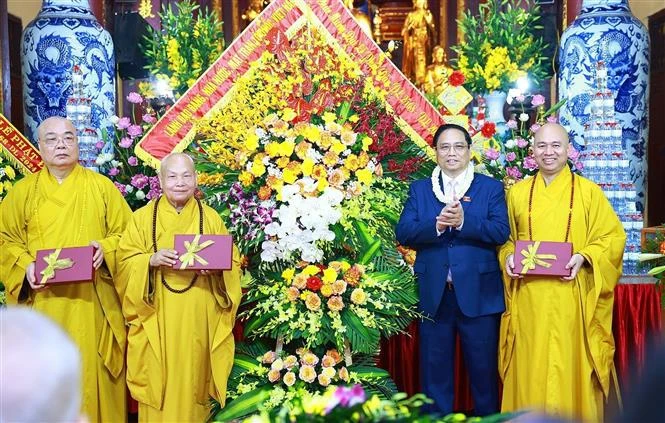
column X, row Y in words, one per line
column 637, row 318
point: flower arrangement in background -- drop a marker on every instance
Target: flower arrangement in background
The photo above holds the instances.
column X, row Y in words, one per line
column 9, row 175
column 189, row 42
column 137, row 181
column 511, row 159
column 499, row 45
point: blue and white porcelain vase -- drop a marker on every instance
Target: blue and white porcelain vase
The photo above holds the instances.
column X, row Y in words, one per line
column 495, row 101
column 65, row 33
column 607, row 31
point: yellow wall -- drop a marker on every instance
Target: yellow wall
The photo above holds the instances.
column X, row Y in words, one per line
column 642, row 9
column 25, row 9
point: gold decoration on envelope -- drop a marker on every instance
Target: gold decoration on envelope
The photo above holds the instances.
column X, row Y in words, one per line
column 53, row 264
column 190, row 256
column 455, row 99
column 532, row 258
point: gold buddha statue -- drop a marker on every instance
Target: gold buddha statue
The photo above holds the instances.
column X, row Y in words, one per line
column 418, row 34
column 362, row 19
column 436, row 78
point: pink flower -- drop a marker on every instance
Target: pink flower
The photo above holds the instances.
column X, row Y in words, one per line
column 552, row 119
column 99, row 145
column 530, row 163
column 140, row 181
column 123, row 123
column 126, row 142
column 113, row 171
column 520, row 98
column 521, row 142
column 148, row 118
column 134, row 131
column 133, row 161
column 579, row 166
column 514, row 172
column 538, row 100
column 512, row 124
column 573, row 154
column 535, row 127
column 135, row 98
column 120, row 187
column 153, row 193
column 492, row 154
column 511, row 156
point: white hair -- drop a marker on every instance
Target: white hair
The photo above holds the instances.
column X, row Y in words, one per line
column 40, row 371
column 170, row 156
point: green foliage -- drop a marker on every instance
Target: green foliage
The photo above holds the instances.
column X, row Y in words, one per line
column 499, row 45
column 188, row 43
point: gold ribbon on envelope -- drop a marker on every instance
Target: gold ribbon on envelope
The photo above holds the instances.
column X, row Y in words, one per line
column 53, row 263
column 532, row 258
column 193, row 248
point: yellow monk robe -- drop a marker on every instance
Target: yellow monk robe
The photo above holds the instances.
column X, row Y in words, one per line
column 556, row 348
column 40, row 213
column 181, row 347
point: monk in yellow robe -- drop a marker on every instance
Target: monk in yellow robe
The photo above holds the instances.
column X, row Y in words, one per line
column 66, row 205
column 556, row 347
column 181, row 347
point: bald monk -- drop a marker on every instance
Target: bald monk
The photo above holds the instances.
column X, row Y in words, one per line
column 556, row 348
column 181, row 347
column 66, row 205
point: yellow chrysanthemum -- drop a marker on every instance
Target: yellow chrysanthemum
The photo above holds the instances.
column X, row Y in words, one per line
column 307, row 166
column 288, row 274
column 252, row 142
column 329, row 117
column 288, row 114
column 329, row 275
column 258, row 168
column 364, row 176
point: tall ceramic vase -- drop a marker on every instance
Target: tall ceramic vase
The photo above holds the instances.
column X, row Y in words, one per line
column 65, row 33
column 606, row 30
column 495, row 102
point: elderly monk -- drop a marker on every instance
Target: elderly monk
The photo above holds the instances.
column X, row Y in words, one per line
column 180, row 349
column 66, row 205
column 556, row 348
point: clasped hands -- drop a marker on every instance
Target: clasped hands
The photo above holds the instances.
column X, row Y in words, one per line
column 574, row 264
column 168, row 257
column 452, row 215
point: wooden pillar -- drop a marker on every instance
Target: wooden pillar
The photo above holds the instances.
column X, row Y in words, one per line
column 571, row 8
column 98, row 9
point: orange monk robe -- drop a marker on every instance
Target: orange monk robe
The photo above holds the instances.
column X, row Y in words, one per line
column 181, row 346
column 39, row 213
column 556, row 348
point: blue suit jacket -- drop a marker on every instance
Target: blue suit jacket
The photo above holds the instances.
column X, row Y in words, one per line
column 470, row 254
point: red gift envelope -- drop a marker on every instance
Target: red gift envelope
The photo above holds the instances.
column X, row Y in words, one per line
column 203, row 252
column 65, row 265
column 542, row 258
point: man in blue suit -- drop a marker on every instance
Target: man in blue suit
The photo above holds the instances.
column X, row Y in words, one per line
column 455, row 221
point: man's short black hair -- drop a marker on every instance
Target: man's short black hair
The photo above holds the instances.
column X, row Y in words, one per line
column 446, row 126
